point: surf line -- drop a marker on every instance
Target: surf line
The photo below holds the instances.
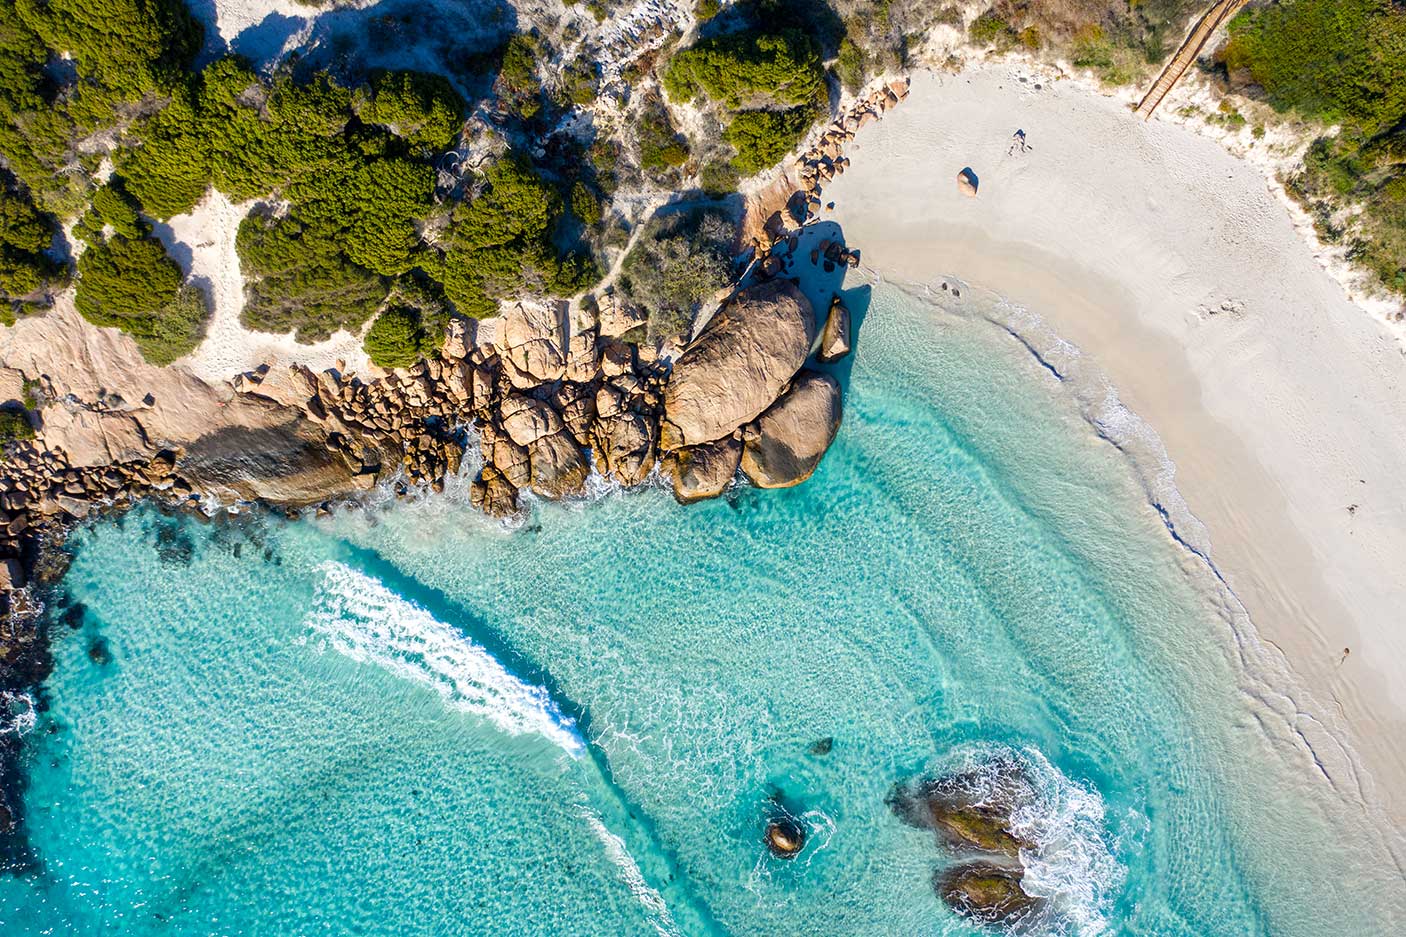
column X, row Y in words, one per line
column 651, row 859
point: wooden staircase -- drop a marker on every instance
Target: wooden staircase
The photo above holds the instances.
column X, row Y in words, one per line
column 1213, row 19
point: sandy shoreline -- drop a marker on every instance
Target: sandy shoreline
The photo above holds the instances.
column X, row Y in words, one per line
column 1178, row 275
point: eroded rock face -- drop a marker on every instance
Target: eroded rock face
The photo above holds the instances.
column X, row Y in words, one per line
column 704, row 471
column 948, row 806
column 986, row 893
column 558, row 468
column 790, row 438
column 738, row 365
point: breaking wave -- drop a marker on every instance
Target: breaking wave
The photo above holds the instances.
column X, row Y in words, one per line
column 359, row 617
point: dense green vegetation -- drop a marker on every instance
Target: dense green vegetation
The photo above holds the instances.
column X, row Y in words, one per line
column 771, row 84
column 681, row 259
column 122, row 56
column 1339, row 61
column 26, row 270
column 498, row 243
column 749, row 69
column 517, row 85
column 131, row 284
column 299, row 279
column 396, row 339
column 423, row 110
column 661, row 146
column 14, row 426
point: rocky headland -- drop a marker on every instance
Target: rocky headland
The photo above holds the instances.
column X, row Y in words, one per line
column 540, row 397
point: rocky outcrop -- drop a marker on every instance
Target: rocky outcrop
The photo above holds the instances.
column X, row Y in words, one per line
column 972, row 812
column 787, row 442
column 534, row 343
column 738, row 365
column 988, row 894
column 834, row 338
column 703, row 471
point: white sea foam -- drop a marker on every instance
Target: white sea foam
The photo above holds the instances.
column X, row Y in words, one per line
column 17, row 714
column 359, row 617
column 615, row 848
column 1072, row 865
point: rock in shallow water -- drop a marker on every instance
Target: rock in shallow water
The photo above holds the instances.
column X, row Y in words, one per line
column 986, row 893
column 791, row 437
column 950, row 806
column 701, row 472
column 785, row 837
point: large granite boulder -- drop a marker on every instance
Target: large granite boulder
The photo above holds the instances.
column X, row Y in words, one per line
column 625, row 446
column 492, row 494
column 966, row 809
column 527, row 420
column 738, row 365
column 558, row 467
column 786, row 444
column 534, row 343
column 703, row 471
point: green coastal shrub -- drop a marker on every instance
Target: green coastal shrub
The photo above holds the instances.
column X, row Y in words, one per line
column 114, row 207
column 763, row 138
column 115, row 53
column 749, row 69
column 14, row 426
column 498, row 243
column 424, row 110
column 661, row 146
column 773, row 85
column 990, row 29
column 517, row 83
column 1340, row 61
column 850, row 66
column 129, row 47
column 133, row 285
column 1330, row 59
column 26, row 270
column 298, row 279
column 396, row 339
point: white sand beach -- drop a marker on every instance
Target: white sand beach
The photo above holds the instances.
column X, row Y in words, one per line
column 1178, row 274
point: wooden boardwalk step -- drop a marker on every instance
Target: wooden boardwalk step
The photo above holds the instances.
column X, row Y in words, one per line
column 1213, row 19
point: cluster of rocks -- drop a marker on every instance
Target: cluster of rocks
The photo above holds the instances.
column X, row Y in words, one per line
column 40, row 490
column 826, row 159
column 973, row 820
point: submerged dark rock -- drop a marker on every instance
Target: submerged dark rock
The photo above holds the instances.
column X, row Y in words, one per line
column 822, row 746
column 985, row 893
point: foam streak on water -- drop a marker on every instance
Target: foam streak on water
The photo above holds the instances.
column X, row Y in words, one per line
column 633, row 878
column 361, row 618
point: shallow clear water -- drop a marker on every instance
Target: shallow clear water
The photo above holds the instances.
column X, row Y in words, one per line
column 416, row 721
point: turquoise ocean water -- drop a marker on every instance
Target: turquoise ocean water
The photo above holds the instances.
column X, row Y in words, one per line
column 412, row 720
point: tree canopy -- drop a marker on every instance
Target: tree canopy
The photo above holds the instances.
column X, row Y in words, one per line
column 770, row 84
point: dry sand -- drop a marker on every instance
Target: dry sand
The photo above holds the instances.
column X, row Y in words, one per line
column 1178, row 276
